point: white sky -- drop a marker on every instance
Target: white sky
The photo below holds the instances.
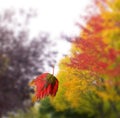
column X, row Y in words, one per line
column 54, row 16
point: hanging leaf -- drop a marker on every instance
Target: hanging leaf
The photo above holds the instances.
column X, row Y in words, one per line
column 45, row 84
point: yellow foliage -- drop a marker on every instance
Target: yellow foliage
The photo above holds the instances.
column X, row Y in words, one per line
column 73, row 84
column 111, row 16
column 78, row 88
column 111, row 36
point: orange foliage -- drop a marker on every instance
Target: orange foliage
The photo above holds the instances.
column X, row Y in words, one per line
column 95, row 55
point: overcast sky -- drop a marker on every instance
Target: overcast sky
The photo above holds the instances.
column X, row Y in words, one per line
column 54, row 16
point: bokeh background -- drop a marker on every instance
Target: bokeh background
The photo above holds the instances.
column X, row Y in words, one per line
column 80, row 38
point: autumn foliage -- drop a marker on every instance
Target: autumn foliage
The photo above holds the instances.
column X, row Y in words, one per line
column 90, row 76
column 95, row 55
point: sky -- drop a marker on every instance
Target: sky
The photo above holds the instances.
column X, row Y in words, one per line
column 54, row 16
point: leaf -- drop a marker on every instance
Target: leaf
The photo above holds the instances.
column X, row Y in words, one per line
column 46, row 84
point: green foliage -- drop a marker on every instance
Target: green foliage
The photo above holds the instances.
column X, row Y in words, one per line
column 47, row 110
column 31, row 113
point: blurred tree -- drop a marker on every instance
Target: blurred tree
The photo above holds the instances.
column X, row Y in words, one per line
column 75, row 91
column 47, row 110
column 91, row 82
column 20, row 60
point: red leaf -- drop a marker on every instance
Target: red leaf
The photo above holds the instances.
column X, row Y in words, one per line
column 45, row 85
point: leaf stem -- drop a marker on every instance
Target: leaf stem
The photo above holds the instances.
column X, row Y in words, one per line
column 53, row 69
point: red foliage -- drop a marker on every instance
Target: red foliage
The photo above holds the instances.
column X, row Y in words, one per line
column 46, row 84
column 93, row 25
column 112, row 54
column 94, row 55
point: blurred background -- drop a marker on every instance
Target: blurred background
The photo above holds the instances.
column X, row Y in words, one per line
column 37, row 34
column 30, row 43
